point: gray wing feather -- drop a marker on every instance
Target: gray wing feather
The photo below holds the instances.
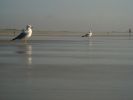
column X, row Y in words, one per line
column 20, row 36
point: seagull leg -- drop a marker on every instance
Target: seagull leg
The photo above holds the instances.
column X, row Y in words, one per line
column 25, row 41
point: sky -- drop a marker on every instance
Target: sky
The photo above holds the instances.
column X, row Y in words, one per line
column 67, row 15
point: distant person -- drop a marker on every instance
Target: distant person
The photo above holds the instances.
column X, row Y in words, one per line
column 130, row 31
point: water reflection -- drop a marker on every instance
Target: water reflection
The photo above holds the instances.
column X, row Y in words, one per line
column 90, row 41
column 29, row 54
column 25, row 50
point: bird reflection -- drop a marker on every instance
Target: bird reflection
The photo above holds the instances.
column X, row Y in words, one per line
column 29, row 54
column 90, row 42
column 25, row 50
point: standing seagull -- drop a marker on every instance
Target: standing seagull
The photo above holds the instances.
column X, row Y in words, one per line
column 89, row 34
column 25, row 34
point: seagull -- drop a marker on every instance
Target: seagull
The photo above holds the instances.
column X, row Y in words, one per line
column 25, row 34
column 89, row 34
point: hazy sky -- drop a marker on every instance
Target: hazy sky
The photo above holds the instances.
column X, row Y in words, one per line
column 67, row 15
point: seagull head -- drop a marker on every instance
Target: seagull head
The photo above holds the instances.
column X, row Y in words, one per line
column 28, row 26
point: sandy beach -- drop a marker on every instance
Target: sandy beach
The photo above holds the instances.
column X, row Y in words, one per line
column 66, row 67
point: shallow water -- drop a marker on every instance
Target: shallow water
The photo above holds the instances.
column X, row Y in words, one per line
column 67, row 68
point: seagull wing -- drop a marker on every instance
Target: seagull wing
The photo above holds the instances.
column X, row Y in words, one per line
column 20, row 36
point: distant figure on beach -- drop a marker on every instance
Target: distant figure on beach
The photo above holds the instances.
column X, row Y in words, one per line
column 25, row 34
column 130, row 31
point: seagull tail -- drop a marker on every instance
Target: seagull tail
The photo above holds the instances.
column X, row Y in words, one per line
column 13, row 39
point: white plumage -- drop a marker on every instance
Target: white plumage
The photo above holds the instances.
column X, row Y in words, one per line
column 90, row 33
column 25, row 34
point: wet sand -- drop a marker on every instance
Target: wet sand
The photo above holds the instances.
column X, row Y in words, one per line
column 67, row 68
